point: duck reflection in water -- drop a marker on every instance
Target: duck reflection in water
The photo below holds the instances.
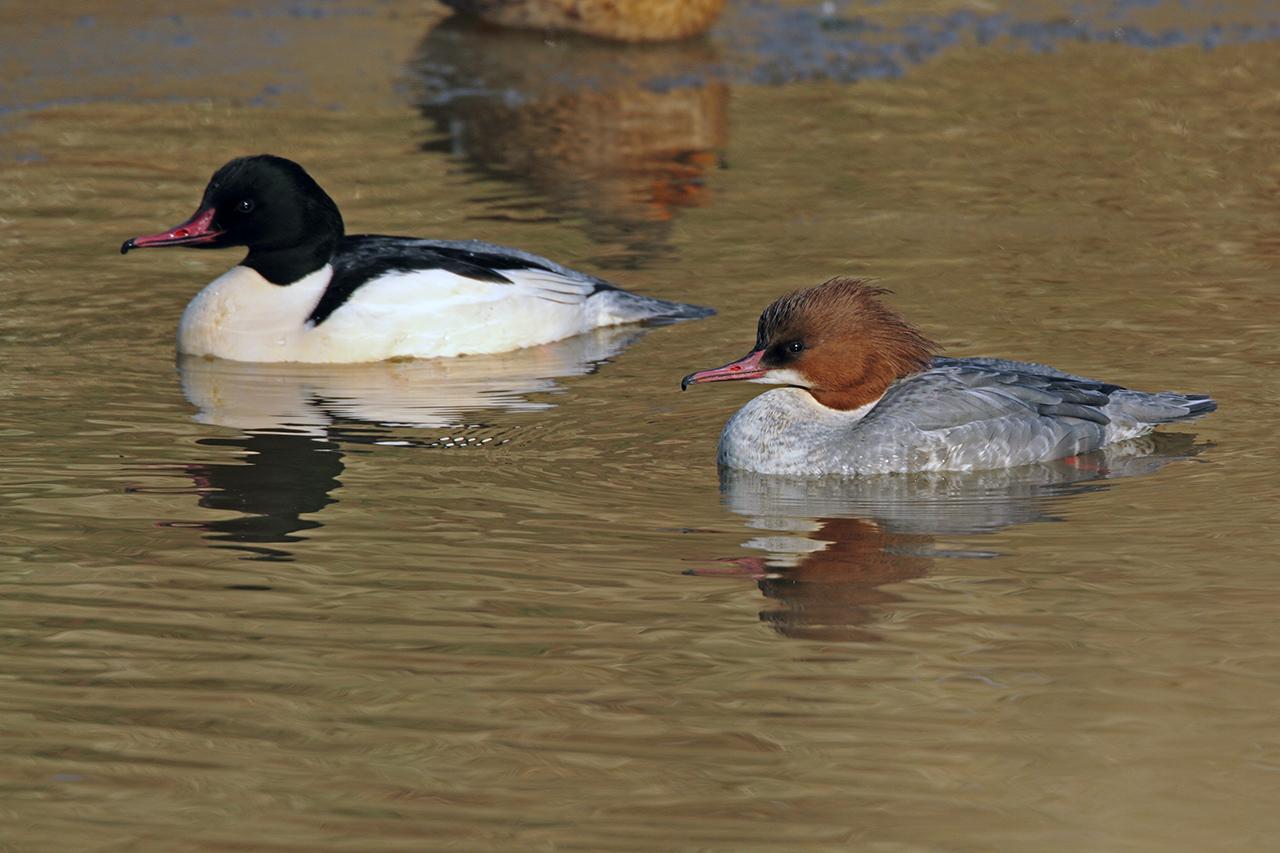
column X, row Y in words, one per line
column 834, row 544
column 299, row 422
column 617, row 137
column 282, row 478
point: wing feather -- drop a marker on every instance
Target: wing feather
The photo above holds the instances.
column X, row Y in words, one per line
column 956, row 395
column 365, row 258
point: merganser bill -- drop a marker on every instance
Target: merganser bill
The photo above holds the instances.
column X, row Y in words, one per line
column 868, row 395
column 306, row 292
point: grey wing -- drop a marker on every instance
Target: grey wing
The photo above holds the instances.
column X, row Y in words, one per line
column 1123, row 406
column 971, row 415
column 1006, row 364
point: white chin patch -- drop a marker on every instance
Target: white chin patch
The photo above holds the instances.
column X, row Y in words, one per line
column 782, row 377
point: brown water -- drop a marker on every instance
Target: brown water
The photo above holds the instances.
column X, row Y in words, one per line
column 505, row 603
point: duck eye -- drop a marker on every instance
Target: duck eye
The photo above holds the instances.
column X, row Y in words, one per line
column 795, row 347
column 245, row 205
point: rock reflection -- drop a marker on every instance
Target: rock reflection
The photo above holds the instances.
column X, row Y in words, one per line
column 618, row 138
column 833, row 544
column 624, row 20
column 298, row 420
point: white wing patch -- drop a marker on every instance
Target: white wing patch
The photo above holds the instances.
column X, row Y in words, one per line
column 550, row 285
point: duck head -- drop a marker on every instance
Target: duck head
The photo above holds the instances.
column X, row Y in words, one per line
column 837, row 340
column 269, row 205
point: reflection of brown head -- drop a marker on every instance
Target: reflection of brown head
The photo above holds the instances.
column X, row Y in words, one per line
column 622, row 20
column 861, row 534
column 832, row 591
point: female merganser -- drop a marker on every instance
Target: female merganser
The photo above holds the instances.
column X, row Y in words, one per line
column 307, row 293
column 867, row 395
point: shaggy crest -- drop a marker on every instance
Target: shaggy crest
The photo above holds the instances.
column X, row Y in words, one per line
column 854, row 346
column 848, row 307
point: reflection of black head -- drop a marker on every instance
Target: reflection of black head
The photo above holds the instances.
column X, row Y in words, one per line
column 282, row 478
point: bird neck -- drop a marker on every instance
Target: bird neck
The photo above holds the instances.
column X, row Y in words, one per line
column 284, row 266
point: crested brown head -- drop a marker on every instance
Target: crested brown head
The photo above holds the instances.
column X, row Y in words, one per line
column 841, row 342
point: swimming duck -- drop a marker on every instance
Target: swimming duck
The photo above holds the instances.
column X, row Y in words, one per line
column 621, row 20
column 866, row 394
column 308, row 293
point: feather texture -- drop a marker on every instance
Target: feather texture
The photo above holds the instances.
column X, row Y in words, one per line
column 959, row 415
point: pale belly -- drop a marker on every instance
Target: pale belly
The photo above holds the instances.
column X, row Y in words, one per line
column 243, row 317
column 787, row 432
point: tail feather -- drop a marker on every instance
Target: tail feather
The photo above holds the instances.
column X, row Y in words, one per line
column 1162, row 407
column 1200, row 404
column 622, row 306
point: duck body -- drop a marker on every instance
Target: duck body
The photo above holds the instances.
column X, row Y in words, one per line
column 962, row 414
column 306, row 292
column 398, row 297
column 866, row 395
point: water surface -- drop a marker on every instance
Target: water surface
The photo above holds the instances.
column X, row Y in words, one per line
column 508, row 601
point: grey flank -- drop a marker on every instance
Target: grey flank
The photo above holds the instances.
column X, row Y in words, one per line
column 963, row 414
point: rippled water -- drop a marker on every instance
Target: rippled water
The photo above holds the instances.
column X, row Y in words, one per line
column 507, row 602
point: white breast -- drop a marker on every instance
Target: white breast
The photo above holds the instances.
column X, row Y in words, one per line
column 787, row 431
column 423, row 314
column 243, row 316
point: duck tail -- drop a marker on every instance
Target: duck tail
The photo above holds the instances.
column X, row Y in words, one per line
column 621, row 306
column 1165, row 406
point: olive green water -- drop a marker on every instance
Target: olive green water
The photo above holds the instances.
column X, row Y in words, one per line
column 504, row 603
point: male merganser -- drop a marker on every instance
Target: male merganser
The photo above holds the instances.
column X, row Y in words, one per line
column 307, row 293
column 867, row 395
